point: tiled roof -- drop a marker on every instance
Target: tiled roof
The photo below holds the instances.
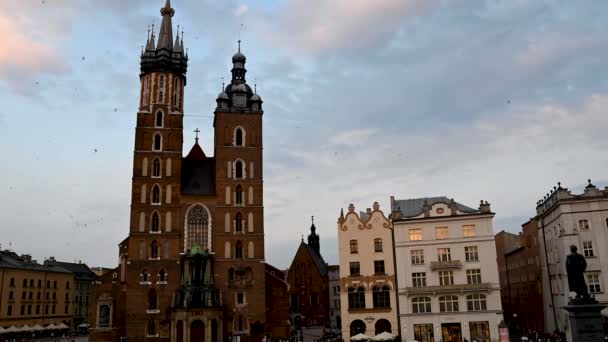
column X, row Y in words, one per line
column 413, row 207
column 12, row 260
column 81, row 271
column 318, row 259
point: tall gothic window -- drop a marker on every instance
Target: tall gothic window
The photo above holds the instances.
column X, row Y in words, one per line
column 155, row 223
column 238, row 137
column 146, row 90
column 162, row 275
column 157, row 144
column 238, row 223
column 156, row 167
column 239, row 250
column 161, row 89
column 156, row 194
column 158, row 120
column 152, row 300
column 239, row 194
column 175, row 91
column 154, row 250
column 238, row 169
column 198, row 228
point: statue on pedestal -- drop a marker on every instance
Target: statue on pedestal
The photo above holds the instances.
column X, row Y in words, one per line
column 576, row 266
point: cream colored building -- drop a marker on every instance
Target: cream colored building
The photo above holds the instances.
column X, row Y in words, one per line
column 446, row 270
column 567, row 219
column 367, row 279
column 34, row 294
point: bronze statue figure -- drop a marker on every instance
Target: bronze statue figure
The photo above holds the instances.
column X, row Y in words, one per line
column 576, row 266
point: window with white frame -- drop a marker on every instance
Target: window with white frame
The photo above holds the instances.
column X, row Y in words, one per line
column 476, row 302
column 416, row 234
column 441, row 233
column 157, row 144
column 474, row 276
column 469, row 230
column 588, row 249
column 156, row 194
column 417, row 256
column 197, row 229
column 158, row 119
column 448, row 304
column 470, row 253
column 583, row 225
column 155, row 223
column 239, row 137
column 156, row 168
column 593, row 281
column 446, row 278
column 419, row 279
column 443, row 254
column 421, row 305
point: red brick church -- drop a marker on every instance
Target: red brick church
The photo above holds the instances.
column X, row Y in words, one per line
column 192, row 267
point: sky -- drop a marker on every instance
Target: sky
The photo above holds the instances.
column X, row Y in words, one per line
column 470, row 99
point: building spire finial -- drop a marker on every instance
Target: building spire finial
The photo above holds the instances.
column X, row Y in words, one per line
column 239, row 45
column 312, row 218
column 196, row 131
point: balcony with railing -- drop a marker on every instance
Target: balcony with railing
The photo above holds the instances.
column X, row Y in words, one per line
column 449, row 289
column 446, row 265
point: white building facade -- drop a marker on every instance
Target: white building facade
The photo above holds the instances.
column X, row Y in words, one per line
column 367, row 277
column 333, row 273
column 566, row 219
column 447, row 275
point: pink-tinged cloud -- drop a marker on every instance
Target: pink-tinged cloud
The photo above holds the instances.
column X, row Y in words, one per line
column 320, row 26
column 22, row 57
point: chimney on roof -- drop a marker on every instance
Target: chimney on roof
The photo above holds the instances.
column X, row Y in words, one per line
column 368, row 211
column 484, row 207
column 52, row 259
column 27, row 257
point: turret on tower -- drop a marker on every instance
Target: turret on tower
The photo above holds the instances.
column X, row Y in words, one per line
column 238, row 95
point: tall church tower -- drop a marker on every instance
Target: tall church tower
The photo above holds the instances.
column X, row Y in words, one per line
column 240, row 208
column 155, row 234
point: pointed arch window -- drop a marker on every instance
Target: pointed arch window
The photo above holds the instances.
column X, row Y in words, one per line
column 156, row 167
column 231, row 274
column 158, row 142
column 238, row 223
column 152, row 300
column 175, row 91
column 154, row 250
column 239, row 195
column 162, row 276
column 238, row 169
column 156, row 194
column 146, row 90
column 239, row 137
column 144, row 276
column 158, row 119
column 238, row 251
column 155, row 223
column 197, row 229
column 161, row 89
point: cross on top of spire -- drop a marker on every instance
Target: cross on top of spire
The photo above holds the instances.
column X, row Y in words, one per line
column 196, row 131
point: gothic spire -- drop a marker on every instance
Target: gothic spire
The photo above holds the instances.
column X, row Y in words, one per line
column 177, row 47
column 165, row 35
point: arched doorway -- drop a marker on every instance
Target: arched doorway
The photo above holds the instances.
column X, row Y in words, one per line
column 179, row 334
column 357, row 327
column 197, row 331
column 382, row 325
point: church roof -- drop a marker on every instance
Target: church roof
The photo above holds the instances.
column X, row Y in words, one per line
column 81, row 271
column 317, row 259
column 196, row 153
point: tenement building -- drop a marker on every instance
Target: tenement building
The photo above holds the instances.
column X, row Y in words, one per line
column 446, row 268
column 308, row 291
column 520, row 275
column 33, row 296
column 367, row 279
column 192, row 267
column 83, row 283
column 566, row 219
column 333, row 272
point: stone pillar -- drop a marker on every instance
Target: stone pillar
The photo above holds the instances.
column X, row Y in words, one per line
column 187, row 323
column 207, row 330
column 585, row 322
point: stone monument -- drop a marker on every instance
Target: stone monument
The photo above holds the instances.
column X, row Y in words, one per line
column 584, row 312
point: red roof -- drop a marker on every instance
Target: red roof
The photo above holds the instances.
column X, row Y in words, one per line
column 196, row 153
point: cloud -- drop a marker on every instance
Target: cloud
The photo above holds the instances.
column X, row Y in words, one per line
column 318, row 26
column 241, row 10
